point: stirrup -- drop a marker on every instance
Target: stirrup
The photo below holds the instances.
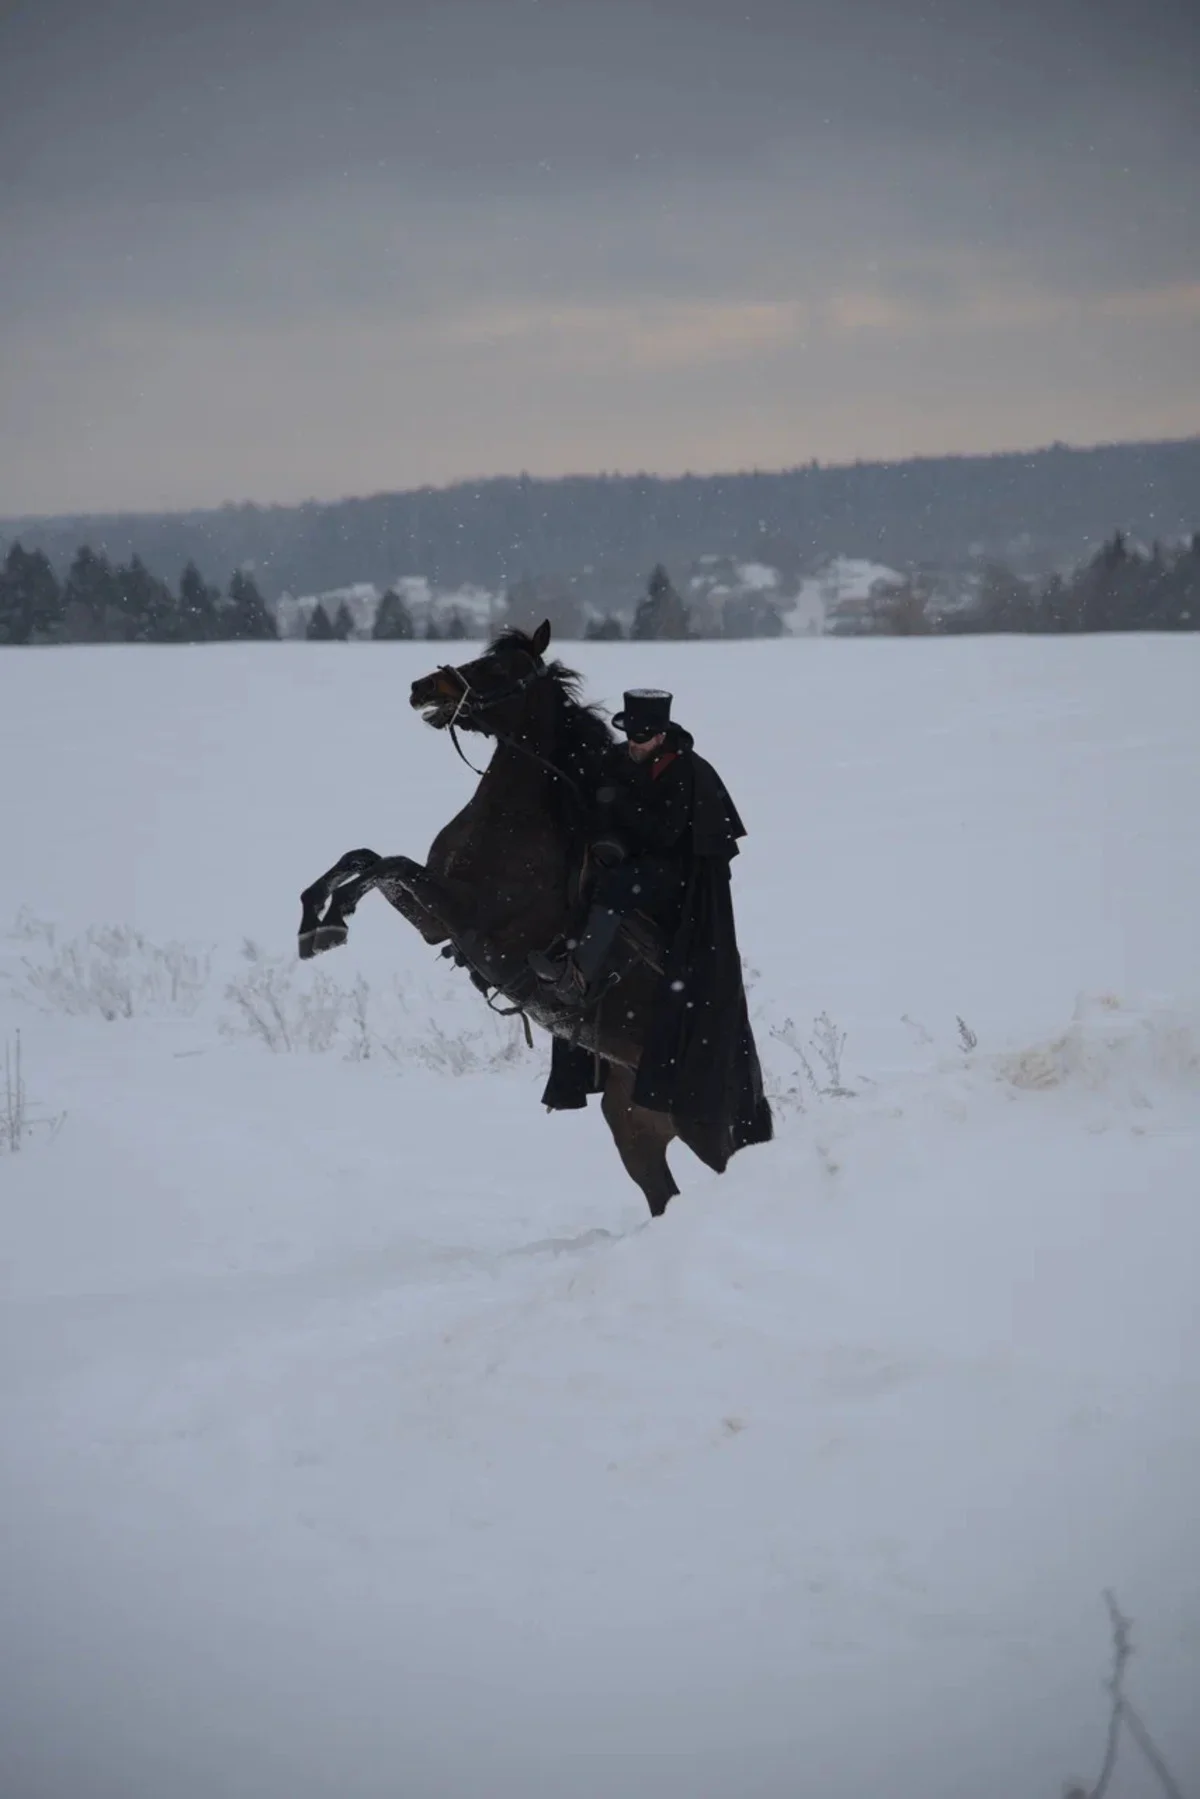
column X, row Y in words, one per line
column 548, row 965
column 567, row 981
column 564, row 981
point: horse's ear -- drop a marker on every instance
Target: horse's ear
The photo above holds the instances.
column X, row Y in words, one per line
column 540, row 640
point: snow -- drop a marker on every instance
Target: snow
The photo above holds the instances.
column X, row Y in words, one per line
column 361, row 1436
column 478, row 607
column 757, row 577
column 360, row 599
column 845, row 582
column 723, row 591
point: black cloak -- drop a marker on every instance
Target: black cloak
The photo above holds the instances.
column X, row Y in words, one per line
column 699, row 1061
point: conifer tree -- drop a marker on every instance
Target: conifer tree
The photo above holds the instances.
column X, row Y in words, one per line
column 319, row 628
column 1005, row 603
column 604, row 630
column 31, row 606
column 393, row 620
column 199, row 619
column 149, row 609
column 248, row 617
column 91, row 600
column 662, row 614
column 1181, row 590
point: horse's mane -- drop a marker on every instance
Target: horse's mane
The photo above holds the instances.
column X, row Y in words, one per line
column 582, row 737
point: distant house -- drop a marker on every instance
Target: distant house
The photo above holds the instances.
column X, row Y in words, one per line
column 857, row 615
column 838, row 597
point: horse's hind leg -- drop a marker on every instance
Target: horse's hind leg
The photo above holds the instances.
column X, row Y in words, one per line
column 641, row 1137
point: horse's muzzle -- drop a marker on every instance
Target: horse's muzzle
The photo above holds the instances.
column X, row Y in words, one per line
column 436, row 690
column 438, row 696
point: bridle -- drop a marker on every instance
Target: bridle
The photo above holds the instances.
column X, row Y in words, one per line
column 472, row 704
column 481, row 702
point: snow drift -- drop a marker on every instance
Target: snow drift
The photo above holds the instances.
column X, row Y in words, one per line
column 362, row 1437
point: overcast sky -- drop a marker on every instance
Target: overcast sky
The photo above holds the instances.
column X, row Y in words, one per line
column 276, row 249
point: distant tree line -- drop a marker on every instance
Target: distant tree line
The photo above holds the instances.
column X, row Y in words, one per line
column 660, row 614
column 393, row 623
column 100, row 603
column 1120, row 588
column 1036, row 511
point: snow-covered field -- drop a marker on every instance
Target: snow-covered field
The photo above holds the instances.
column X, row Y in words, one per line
column 361, row 1437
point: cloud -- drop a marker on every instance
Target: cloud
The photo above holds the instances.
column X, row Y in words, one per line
column 1178, row 300
column 998, row 307
column 294, row 248
column 660, row 334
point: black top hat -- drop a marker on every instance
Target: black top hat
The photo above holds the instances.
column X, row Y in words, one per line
column 646, row 712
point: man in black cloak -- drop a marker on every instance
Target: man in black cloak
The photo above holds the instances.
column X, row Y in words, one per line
column 664, row 835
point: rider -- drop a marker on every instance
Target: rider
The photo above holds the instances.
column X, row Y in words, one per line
column 658, row 807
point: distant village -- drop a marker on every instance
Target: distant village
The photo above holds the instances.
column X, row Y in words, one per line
column 1123, row 586
column 718, row 597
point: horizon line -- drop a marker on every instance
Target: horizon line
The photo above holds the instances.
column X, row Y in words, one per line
column 812, row 465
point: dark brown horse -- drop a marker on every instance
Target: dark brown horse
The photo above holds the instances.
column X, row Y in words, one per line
column 501, row 879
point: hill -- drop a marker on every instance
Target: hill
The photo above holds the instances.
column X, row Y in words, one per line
column 1037, row 510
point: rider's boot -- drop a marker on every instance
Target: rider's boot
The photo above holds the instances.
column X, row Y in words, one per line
column 577, row 977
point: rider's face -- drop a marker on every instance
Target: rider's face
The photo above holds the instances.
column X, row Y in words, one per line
column 640, row 751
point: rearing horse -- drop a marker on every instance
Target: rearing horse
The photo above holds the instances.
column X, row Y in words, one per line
column 501, row 879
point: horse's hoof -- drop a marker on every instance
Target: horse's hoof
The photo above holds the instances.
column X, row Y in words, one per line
column 326, row 936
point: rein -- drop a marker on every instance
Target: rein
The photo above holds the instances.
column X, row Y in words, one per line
column 474, row 705
column 479, row 704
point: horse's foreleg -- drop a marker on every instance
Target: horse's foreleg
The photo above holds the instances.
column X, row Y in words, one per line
column 451, row 910
column 320, row 927
column 438, row 908
column 398, row 895
column 332, row 931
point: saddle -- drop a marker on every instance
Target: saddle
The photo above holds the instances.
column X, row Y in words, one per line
column 639, row 939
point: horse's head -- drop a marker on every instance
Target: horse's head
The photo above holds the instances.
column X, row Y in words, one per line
column 488, row 693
